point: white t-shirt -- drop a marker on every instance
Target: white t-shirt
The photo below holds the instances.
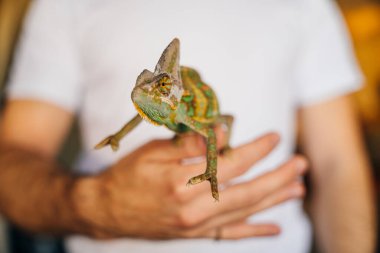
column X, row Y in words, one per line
column 264, row 59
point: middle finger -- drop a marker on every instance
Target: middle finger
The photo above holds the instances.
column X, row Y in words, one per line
column 244, row 194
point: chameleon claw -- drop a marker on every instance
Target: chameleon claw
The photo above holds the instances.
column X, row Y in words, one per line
column 215, row 195
column 214, row 188
column 203, row 177
column 199, row 179
column 110, row 140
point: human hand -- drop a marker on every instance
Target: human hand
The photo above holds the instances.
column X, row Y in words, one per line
column 145, row 194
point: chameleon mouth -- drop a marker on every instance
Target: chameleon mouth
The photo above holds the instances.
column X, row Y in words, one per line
column 169, row 102
column 143, row 115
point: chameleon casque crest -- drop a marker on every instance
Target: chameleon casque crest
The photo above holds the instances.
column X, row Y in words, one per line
column 176, row 97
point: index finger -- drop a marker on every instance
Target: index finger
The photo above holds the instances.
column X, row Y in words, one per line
column 247, row 194
column 238, row 160
column 234, row 163
column 242, row 158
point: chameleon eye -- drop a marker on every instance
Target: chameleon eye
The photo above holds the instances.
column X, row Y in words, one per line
column 164, row 88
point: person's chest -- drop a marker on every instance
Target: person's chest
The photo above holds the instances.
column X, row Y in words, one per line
column 245, row 50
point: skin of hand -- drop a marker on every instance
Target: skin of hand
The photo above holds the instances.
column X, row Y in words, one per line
column 150, row 185
column 343, row 202
column 144, row 194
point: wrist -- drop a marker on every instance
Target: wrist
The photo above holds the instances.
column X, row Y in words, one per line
column 84, row 196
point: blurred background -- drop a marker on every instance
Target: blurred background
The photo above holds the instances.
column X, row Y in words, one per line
column 363, row 20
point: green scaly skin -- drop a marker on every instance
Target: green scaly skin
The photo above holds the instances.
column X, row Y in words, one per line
column 176, row 97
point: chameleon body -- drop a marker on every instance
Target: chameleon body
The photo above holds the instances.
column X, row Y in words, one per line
column 176, row 97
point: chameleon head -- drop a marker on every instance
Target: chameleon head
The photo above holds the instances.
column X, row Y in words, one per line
column 157, row 95
column 156, row 99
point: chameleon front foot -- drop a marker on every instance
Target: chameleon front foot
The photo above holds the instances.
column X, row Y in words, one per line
column 211, row 178
column 111, row 140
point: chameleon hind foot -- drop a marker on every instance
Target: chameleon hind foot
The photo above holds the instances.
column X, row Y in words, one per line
column 211, row 178
column 111, row 140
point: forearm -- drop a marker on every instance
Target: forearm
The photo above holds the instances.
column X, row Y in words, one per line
column 342, row 200
column 35, row 193
column 343, row 207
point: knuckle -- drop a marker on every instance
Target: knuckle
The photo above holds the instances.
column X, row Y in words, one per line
column 193, row 145
column 177, row 190
column 156, row 143
column 185, row 219
column 179, row 195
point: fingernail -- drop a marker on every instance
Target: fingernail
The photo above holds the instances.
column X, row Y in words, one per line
column 296, row 191
column 301, row 165
column 276, row 230
column 275, row 138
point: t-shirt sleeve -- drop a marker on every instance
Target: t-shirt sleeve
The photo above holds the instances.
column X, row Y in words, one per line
column 326, row 66
column 46, row 63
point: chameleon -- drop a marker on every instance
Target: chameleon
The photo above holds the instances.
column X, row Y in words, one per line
column 175, row 96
